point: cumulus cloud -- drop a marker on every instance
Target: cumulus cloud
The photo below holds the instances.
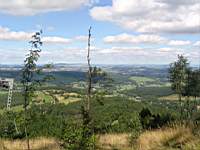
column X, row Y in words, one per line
column 150, row 16
column 123, row 55
column 128, row 38
column 122, row 50
column 197, row 43
column 9, row 35
column 32, row 7
column 56, row 40
column 125, row 38
column 81, row 38
column 179, row 43
column 129, row 54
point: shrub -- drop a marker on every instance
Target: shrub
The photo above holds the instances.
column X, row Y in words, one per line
column 149, row 120
column 73, row 137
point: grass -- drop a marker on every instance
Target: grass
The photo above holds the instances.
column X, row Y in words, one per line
column 174, row 138
column 169, row 138
column 43, row 97
column 113, row 142
column 141, row 79
column 174, row 97
column 35, row 144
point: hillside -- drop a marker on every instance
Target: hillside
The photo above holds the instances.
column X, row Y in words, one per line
column 124, row 110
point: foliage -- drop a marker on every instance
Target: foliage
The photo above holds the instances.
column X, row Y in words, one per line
column 28, row 81
column 178, row 74
column 149, row 120
column 71, row 136
column 192, row 87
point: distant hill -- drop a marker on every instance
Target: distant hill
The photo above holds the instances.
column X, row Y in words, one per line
column 67, row 73
column 60, row 76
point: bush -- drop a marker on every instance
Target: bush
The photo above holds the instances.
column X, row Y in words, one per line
column 11, row 125
column 152, row 121
column 73, row 137
column 126, row 122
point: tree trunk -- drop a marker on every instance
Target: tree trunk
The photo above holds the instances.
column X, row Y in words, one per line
column 25, row 118
column 180, row 102
column 89, row 74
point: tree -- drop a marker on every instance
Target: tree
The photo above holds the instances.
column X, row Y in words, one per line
column 178, row 77
column 94, row 75
column 194, row 83
column 192, row 89
column 89, row 88
column 87, row 132
column 28, row 72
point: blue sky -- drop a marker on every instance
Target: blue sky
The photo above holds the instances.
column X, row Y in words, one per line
column 123, row 31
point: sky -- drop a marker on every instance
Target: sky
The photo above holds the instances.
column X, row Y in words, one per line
column 123, row 31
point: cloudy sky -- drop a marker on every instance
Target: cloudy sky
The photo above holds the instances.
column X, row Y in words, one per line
column 123, row 31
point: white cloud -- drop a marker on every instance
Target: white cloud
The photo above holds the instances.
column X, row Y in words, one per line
column 32, row 7
column 9, row 35
column 121, row 50
column 128, row 38
column 56, row 40
column 197, row 43
column 179, row 43
column 160, row 16
column 99, row 55
column 143, row 39
column 167, row 52
column 165, row 49
column 81, row 38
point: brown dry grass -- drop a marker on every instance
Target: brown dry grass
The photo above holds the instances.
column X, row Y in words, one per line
column 174, row 97
column 168, row 139
column 36, row 144
column 113, row 142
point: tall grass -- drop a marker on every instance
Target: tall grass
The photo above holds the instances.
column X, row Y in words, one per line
column 176, row 137
column 171, row 138
column 35, row 144
column 113, row 142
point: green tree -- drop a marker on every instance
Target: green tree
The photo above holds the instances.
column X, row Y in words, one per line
column 192, row 89
column 28, row 72
column 194, row 83
column 178, row 77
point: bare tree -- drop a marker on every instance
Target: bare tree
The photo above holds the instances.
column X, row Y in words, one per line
column 89, row 88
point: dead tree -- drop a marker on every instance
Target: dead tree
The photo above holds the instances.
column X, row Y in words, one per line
column 89, row 88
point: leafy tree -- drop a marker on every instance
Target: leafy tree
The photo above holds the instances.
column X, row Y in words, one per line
column 150, row 120
column 192, row 89
column 193, row 84
column 146, row 118
column 28, row 72
column 178, row 77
